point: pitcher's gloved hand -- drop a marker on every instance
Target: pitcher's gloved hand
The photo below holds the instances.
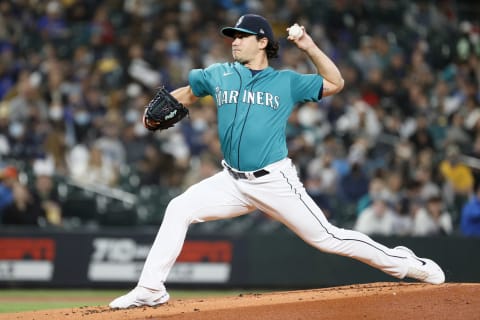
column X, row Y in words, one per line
column 163, row 111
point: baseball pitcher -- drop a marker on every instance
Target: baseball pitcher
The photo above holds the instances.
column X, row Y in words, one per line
column 254, row 102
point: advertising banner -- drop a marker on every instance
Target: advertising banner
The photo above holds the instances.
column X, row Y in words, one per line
column 27, row 259
column 106, row 259
column 121, row 260
column 115, row 257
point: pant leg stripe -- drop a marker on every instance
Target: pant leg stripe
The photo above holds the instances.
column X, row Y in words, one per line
column 325, row 228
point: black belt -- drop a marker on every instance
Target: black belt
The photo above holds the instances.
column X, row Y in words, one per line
column 242, row 175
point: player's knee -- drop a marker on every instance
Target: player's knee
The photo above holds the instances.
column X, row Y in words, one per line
column 178, row 209
column 175, row 206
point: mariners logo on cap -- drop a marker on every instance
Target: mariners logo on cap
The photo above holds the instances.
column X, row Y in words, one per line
column 239, row 22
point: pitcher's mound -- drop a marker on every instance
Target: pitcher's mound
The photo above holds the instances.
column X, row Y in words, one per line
column 367, row 301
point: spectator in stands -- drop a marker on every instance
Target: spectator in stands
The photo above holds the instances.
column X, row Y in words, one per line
column 204, row 166
column 457, row 134
column 8, row 179
column 323, row 166
column 403, row 157
column 432, row 219
column 378, row 218
column 428, row 188
column 102, row 32
column 421, row 137
column 474, row 155
column 195, row 130
column 336, row 110
column 155, row 166
column 54, row 56
column 44, row 191
column 354, row 184
column 52, row 25
column 395, row 184
column 4, row 123
column 472, row 117
column 458, row 178
column 420, row 74
column 9, row 68
column 407, row 202
column 24, row 210
column 466, row 44
column 91, row 166
column 110, row 144
column 376, row 186
column 313, row 185
column 135, row 139
column 93, row 99
column 365, row 57
column 424, row 172
column 359, row 120
column 140, row 70
column 470, row 219
column 28, row 113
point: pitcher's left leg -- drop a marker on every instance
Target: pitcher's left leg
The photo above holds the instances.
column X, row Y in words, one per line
column 211, row 199
column 285, row 199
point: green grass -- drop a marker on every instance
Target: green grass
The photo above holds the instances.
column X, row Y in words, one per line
column 35, row 306
column 17, row 300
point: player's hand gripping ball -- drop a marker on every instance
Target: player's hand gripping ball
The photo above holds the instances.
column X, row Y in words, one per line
column 295, row 31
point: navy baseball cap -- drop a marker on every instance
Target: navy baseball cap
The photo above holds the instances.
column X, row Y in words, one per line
column 251, row 24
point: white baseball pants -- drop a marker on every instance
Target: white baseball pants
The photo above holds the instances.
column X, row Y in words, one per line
column 279, row 194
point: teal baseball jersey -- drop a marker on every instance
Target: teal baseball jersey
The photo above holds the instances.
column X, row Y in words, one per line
column 253, row 109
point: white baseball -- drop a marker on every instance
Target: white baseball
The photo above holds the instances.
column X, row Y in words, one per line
column 295, row 31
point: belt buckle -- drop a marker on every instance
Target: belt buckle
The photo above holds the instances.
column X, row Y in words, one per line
column 250, row 175
column 242, row 175
column 239, row 175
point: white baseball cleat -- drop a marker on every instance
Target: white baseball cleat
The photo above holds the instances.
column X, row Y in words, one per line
column 140, row 296
column 423, row 269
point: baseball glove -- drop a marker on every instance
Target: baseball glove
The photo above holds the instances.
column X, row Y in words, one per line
column 163, row 111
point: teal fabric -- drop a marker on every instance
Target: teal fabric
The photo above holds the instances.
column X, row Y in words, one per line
column 253, row 109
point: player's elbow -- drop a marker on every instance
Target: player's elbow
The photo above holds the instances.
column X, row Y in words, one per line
column 339, row 85
column 191, row 98
column 330, row 87
column 185, row 95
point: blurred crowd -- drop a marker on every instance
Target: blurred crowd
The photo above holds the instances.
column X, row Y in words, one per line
column 397, row 152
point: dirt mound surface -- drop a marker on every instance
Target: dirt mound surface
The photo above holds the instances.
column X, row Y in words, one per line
column 367, row 301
